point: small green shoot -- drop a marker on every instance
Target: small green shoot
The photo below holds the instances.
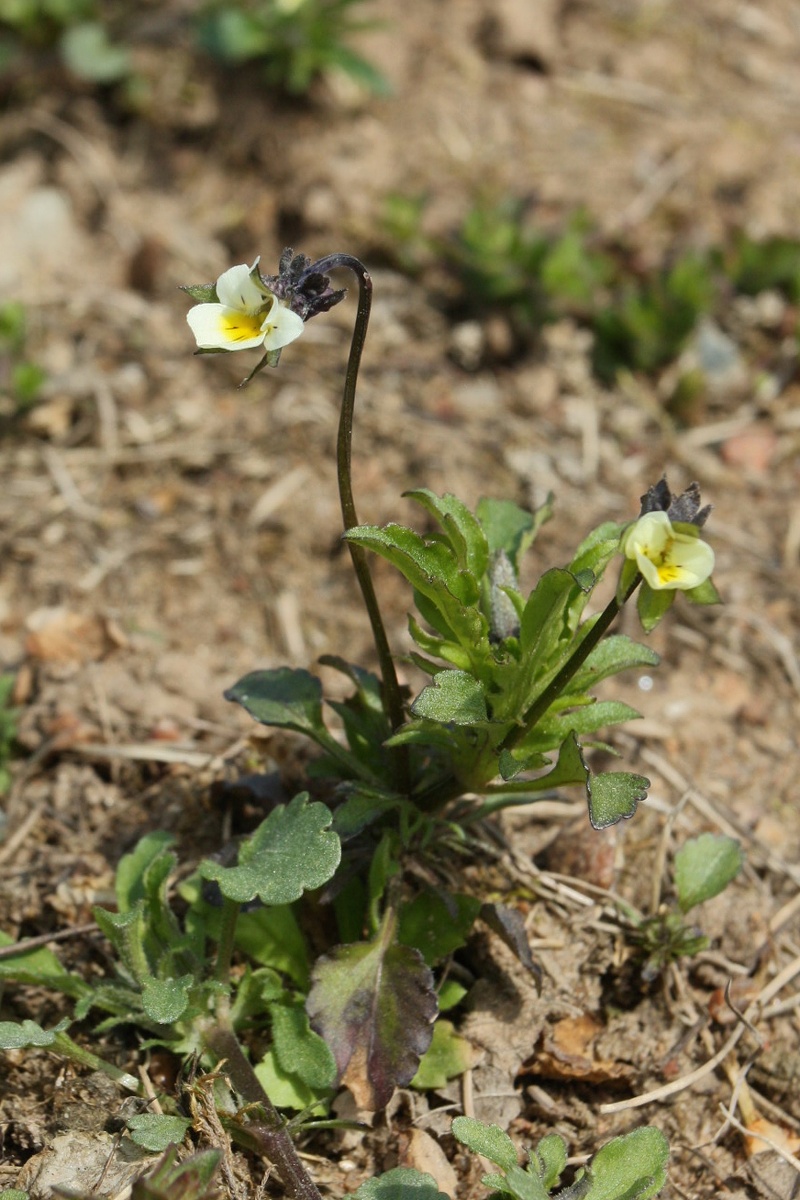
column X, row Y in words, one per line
column 704, row 866
column 295, row 43
column 632, row 1167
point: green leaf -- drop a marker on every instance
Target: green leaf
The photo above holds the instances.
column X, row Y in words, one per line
column 570, row 768
column 451, row 993
column 614, row 653
column 704, row 593
column 13, row 1194
column 203, row 293
column 374, row 1005
column 131, row 877
column 363, row 807
column 462, row 529
column 298, row 1049
column 437, row 923
column 285, row 698
column 89, row 54
column 40, row 968
column 155, row 1132
column 292, row 851
column 550, row 1159
column 632, row 1167
column 432, row 570
column 448, row 1055
column 165, row 1000
column 189, row 1180
column 490, row 1141
column 554, row 725
column 704, row 866
column 613, row 796
column 454, row 697
column 652, row 606
column 273, row 937
column 401, row 1183
column 544, row 624
column 286, row 1089
column 510, row 528
column 20, row 1035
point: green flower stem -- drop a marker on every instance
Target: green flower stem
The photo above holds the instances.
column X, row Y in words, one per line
column 269, row 1137
column 393, row 698
column 64, row 1044
column 576, row 660
column 227, row 931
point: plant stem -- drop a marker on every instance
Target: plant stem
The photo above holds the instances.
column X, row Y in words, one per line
column 560, row 680
column 63, row 1044
column 269, row 1137
column 227, row 931
column 393, row 699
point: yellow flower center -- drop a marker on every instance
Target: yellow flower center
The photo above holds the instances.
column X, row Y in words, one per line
column 240, row 326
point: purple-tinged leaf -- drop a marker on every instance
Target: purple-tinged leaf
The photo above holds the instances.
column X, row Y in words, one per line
column 374, row 1005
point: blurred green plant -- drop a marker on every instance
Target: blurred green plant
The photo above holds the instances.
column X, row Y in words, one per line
column 641, row 319
column 704, row 866
column 632, row 1167
column 9, row 717
column 296, row 41
column 20, row 379
column 78, row 28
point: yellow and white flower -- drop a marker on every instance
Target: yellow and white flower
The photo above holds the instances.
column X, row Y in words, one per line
column 667, row 558
column 246, row 315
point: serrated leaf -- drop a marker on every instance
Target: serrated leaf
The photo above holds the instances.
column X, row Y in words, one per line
column 448, row 1055
column 166, row 1000
column 19, row 1035
column 555, row 726
column 437, row 923
column 401, row 1183
column 704, row 866
column 374, row 1005
column 292, row 851
column 155, row 1131
column 611, row 655
column 632, row 1167
column 613, row 796
column 490, row 1141
column 454, row 697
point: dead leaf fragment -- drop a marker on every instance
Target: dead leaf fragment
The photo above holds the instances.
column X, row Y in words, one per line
column 59, row 635
column 424, row 1153
column 566, row 1052
column 778, row 1137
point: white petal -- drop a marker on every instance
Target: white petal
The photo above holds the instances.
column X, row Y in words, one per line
column 211, row 325
column 281, row 327
column 236, row 289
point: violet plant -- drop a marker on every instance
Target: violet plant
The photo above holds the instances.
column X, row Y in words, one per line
column 507, row 716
